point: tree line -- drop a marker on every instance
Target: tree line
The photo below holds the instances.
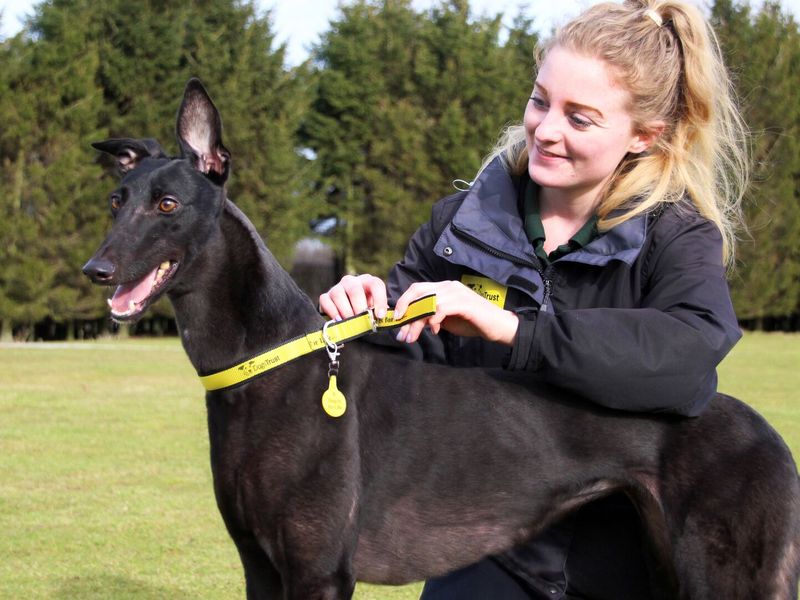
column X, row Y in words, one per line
column 393, row 105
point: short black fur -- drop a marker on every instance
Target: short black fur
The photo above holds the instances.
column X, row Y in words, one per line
column 430, row 468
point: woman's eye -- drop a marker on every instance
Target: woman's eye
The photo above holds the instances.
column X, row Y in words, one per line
column 580, row 122
column 538, row 102
column 167, row 205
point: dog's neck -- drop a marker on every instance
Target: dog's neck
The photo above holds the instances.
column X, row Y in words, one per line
column 239, row 301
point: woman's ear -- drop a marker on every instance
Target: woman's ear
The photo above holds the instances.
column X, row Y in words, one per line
column 646, row 137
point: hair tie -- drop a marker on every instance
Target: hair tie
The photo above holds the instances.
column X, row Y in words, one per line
column 655, row 17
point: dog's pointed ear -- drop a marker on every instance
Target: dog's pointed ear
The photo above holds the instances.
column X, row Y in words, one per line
column 129, row 152
column 199, row 132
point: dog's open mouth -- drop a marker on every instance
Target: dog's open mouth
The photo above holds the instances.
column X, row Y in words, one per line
column 132, row 298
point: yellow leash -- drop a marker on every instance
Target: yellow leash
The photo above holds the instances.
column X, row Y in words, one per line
column 337, row 332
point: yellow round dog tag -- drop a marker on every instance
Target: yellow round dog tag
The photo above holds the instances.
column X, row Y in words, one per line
column 333, row 401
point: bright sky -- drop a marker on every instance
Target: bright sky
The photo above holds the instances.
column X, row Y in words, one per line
column 299, row 22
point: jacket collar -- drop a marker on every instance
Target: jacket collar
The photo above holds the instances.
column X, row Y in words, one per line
column 490, row 213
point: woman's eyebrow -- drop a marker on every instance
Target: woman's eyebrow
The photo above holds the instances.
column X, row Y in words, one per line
column 542, row 89
column 586, row 108
column 573, row 105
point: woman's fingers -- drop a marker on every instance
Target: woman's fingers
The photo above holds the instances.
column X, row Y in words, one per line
column 375, row 290
column 459, row 310
column 327, row 305
column 414, row 292
column 353, row 295
column 410, row 332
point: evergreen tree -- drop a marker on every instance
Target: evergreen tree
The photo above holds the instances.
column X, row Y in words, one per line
column 763, row 50
column 396, row 105
column 33, row 144
column 83, row 71
column 406, row 103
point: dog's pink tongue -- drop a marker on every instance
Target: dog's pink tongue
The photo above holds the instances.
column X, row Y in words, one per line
column 135, row 291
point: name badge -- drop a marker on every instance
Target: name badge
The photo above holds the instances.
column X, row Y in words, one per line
column 489, row 289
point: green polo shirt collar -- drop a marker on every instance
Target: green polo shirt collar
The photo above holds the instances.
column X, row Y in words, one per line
column 535, row 230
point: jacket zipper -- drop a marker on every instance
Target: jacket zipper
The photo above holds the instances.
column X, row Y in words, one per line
column 544, row 273
column 548, row 287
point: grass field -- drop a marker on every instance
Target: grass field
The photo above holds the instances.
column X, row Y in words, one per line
column 105, row 487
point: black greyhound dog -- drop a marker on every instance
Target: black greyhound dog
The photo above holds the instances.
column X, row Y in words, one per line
column 430, row 468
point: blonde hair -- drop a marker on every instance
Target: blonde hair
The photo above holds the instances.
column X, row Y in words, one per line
column 675, row 74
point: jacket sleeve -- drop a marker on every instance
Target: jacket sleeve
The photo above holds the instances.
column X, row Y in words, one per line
column 659, row 356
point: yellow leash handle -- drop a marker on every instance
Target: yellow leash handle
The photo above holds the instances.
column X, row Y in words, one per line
column 338, row 332
column 418, row 309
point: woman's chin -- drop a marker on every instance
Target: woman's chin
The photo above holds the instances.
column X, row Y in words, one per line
column 548, row 175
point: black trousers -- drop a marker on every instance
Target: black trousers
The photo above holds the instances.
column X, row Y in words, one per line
column 600, row 548
column 485, row 580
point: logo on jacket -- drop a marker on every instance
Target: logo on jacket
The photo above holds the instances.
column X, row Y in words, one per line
column 489, row 289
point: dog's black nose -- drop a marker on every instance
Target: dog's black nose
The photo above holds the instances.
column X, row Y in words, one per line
column 99, row 270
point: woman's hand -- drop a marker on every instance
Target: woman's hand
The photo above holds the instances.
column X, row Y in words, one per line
column 460, row 311
column 353, row 295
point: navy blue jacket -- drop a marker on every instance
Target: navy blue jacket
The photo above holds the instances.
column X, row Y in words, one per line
column 636, row 320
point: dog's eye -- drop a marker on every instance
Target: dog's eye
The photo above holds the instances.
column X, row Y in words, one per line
column 167, row 204
column 115, row 202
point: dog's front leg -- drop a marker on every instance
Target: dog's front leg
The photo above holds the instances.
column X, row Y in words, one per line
column 334, row 586
column 316, row 543
column 262, row 580
column 317, row 560
column 297, row 577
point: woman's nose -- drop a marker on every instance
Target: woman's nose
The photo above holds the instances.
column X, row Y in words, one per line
column 549, row 128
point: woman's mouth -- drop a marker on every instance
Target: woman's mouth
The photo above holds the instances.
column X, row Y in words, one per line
column 549, row 155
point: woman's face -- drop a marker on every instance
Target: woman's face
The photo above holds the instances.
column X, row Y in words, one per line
column 577, row 126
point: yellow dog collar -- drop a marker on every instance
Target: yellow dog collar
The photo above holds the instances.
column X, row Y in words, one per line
column 338, row 332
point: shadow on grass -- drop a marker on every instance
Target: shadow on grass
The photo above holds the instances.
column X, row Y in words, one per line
column 107, row 587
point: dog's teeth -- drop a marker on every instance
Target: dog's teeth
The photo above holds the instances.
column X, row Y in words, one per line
column 164, row 265
column 108, row 301
column 131, row 306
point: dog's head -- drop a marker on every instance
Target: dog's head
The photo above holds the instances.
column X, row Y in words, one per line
column 164, row 209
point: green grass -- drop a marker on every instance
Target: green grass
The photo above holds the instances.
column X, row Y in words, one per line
column 105, row 486
column 764, row 371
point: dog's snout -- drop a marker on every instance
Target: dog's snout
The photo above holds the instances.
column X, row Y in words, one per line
column 99, row 270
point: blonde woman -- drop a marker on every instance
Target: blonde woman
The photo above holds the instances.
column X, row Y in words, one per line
column 591, row 250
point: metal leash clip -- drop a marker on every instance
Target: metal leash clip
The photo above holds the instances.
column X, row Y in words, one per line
column 333, row 401
column 373, row 323
column 332, row 349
